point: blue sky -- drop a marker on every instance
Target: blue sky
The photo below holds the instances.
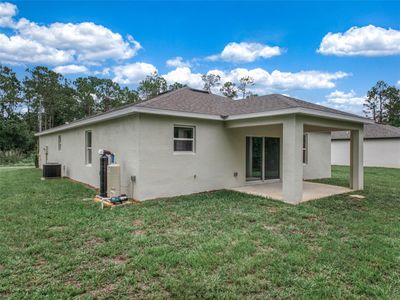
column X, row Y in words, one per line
column 280, row 44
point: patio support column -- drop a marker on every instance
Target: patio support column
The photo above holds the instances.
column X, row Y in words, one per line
column 292, row 164
column 356, row 159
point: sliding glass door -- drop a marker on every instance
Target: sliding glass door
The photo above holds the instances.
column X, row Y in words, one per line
column 272, row 155
column 254, row 158
column 262, row 158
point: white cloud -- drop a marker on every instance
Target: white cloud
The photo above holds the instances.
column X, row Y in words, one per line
column 185, row 76
column 398, row 83
column 264, row 81
column 339, row 97
column 349, row 102
column 17, row 50
column 84, row 42
column 245, row 52
column 71, row 69
column 7, row 12
column 133, row 73
column 104, row 72
column 177, row 62
column 362, row 41
column 285, row 80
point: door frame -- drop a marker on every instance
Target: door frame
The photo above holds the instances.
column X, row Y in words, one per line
column 263, row 160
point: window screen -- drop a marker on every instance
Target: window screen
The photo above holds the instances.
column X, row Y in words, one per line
column 183, row 139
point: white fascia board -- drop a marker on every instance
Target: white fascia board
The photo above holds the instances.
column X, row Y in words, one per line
column 137, row 109
column 304, row 111
column 175, row 113
column 329, row 115
column 264, row 114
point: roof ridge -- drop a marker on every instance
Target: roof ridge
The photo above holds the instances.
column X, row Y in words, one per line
column 169, row 92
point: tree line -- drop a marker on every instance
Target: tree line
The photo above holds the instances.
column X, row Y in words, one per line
column 382, row 104
column 44, row 99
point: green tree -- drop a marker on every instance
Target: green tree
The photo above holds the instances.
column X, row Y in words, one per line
column 244, row 83
column 152, row 86
column 10, row 92
column 128, row 96
column 392, row 106
column 48, row 96
column 229, row 90
column 176, row 86
column 95, row 95
column 210, row 81
column 85, row 91
column 15, row 135
column 375, row 102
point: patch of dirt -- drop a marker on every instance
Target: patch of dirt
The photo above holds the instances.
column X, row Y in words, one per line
column 137, row 222
column 263, row 248
column 2, row 268
column 138, row 232
column 73, row 282
column 40, row 262
column 104, row 291
column 297, row 231
column 5, row 295
column 119, row 260
column 94, row 242
column 314, row 219
column 272, row 210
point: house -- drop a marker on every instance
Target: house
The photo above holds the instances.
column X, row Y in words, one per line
column 189, row 141
column 381, row 146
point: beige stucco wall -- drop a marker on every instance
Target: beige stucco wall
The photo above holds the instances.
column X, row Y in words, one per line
column 377, row 153
column 143, row 145
column 165, row 173
column 220, row 152
column 118, row 136
column 319, row 153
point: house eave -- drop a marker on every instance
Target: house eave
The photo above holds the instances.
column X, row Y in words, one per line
column 89, row 121
column 145, row 110
column 368, row 138
column 303, row 111
column 125, row 112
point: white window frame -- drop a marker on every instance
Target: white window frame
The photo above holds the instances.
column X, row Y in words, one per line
column 59, row 141
column 304, row 152
column 87, row 148
column 193, row 151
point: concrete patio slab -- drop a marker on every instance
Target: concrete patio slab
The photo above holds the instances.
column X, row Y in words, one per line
column 311, row 190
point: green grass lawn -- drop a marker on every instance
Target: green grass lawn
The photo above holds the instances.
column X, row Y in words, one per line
column 55, row 244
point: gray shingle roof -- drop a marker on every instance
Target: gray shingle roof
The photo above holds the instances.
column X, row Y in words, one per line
column 371, row 131
column 188, row 100
column 196, row 101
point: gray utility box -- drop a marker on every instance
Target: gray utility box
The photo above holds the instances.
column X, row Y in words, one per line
column 52, row 170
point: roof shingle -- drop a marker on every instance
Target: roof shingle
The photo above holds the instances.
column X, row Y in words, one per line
column 371, row 131
column 196, row 101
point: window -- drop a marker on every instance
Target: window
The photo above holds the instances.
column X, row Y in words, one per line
column 305, row 148
column 59, row 143
column 88, row 147
column 184, row 138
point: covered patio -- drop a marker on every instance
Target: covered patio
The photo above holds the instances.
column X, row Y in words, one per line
column 289, row 165
column 311, row 190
